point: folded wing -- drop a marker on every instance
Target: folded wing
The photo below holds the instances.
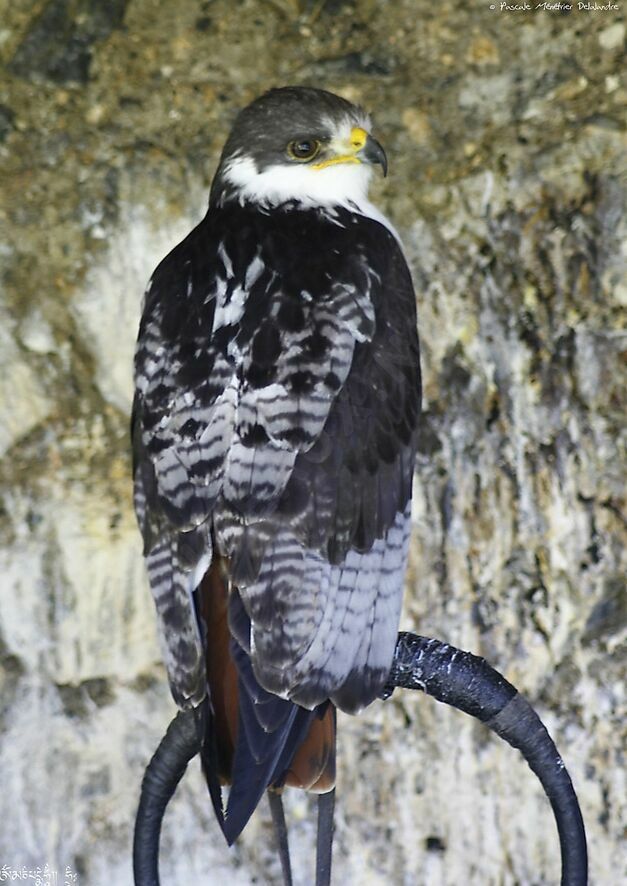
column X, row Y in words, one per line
column 277, row 401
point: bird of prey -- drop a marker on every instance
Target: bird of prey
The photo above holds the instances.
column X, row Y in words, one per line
column 274, row 433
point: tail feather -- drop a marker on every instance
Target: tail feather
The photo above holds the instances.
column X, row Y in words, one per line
column 270, row 732
column 253, row 739
column 210, row 766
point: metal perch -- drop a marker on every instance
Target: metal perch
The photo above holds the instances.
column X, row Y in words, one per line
column 450, row 675
column 178, row 746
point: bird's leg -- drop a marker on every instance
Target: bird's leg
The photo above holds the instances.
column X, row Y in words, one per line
column 468, row 683
column 324, row 839
column 280, row 832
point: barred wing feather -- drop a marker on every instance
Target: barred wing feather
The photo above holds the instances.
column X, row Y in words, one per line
column 277, row 400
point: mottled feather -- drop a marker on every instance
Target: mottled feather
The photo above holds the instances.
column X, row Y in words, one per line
column 275, row 418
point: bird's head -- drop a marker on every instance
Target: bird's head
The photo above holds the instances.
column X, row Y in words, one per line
column 298, row 144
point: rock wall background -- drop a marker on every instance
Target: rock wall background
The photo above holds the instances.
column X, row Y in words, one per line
column 505, row 134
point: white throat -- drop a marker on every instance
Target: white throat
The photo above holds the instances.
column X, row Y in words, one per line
column 342, row 185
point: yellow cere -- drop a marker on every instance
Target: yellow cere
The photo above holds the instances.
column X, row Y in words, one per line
column 357, row 141
column 358, row 138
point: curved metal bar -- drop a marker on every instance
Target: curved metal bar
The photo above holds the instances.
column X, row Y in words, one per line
column 470, row 684
column 179, row 745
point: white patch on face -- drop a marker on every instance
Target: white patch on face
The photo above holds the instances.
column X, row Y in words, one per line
column 338, row 185
column 342, row 129
column 359, row 118
column 341, row 185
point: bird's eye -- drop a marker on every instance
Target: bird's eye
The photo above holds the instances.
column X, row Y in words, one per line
column 303, row 149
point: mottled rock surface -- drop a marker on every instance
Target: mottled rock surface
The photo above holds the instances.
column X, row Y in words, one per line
column 505, row 135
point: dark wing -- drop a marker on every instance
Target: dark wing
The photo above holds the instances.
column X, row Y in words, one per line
column 326, row 603
column 277, row 398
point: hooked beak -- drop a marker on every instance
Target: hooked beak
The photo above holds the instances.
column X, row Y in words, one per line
column 372, row 152
column 368, row 149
